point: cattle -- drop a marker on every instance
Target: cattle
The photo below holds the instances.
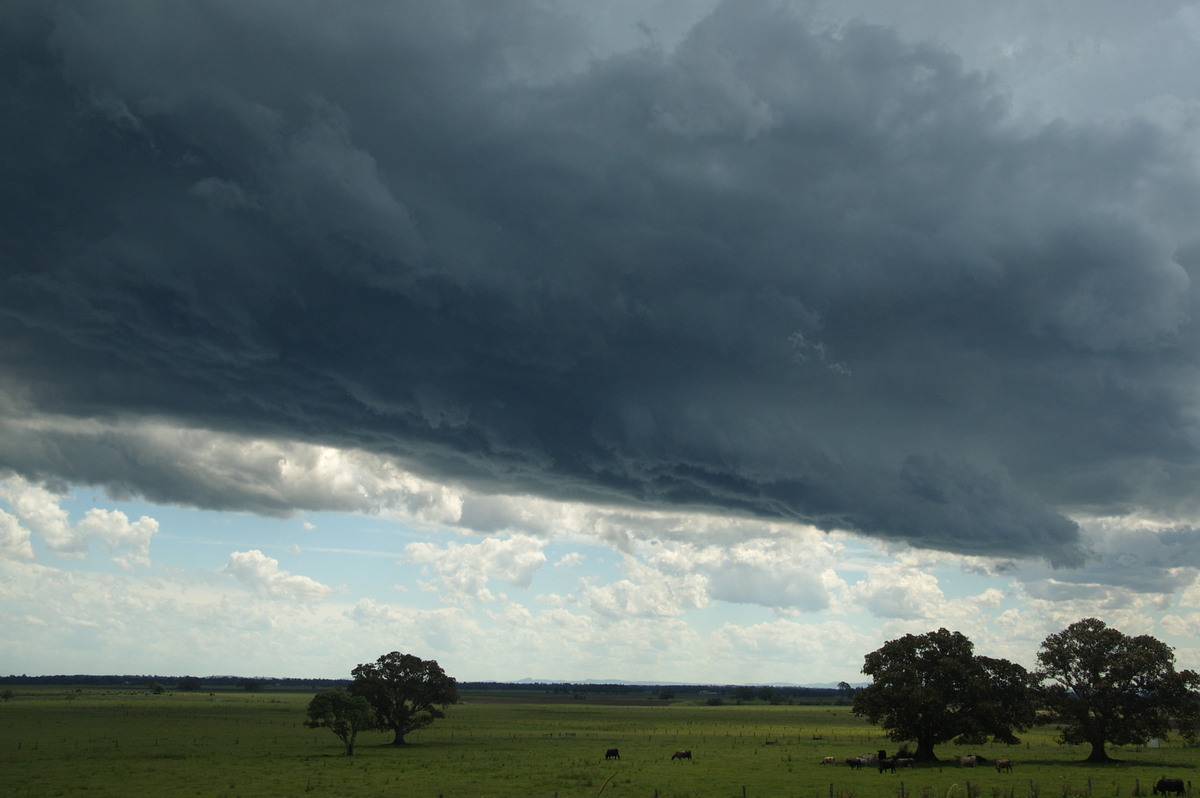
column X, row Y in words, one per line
column 1004, row 764
column 868, row 759
column 968, row 761
column 905, row 762
column 612, row 753
column 887, row 764
column 828, row 760
column 681, row 755
column 1164, row 786
column 855, row 763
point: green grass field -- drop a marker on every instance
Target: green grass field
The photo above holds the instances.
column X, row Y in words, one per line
column 112, row 743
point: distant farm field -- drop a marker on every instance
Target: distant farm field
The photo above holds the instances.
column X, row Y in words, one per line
column 113, row 743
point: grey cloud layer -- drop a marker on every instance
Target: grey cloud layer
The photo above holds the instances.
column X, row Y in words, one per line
column 815, row 275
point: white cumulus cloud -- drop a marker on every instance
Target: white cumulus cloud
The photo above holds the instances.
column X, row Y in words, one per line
column 263, row 574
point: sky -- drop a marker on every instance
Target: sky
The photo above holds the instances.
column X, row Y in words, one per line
column 712, row 342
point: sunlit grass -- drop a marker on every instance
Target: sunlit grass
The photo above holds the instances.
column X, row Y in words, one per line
column 112, row 743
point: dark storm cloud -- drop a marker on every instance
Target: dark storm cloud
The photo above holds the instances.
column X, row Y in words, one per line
column 796, row 274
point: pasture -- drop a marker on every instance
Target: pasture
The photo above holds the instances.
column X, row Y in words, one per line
column 122, row 743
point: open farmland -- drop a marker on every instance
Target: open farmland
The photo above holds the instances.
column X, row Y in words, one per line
column 114, row 743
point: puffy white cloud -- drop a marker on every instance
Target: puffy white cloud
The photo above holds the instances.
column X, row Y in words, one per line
column 39, row 509
column 115, row 530
column 464, row 570
column 263, row 574
column 647, row 593
column 785, row 573
column 14, row 538
column 898, row 591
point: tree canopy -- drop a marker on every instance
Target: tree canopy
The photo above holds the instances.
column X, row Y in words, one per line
column 1108, row 687
column 406, row 692
column 933, row 688
column 344, row 715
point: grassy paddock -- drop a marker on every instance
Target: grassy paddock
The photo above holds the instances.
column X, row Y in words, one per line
column 112, row 743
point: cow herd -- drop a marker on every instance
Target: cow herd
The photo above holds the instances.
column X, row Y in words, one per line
column 891, row 764
column 902, row 760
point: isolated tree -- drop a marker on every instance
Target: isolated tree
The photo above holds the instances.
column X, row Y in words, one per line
column 933, row 688
column 344, row 715
column 407, row 693
column 1108, row 687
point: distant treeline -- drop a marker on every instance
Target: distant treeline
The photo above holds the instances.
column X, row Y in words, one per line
column 776, row 694
column 177, row 682
column 729, row 690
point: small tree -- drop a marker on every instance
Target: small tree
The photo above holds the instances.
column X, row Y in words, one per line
column 406, row 692
column 342, row 714
column 932, row 688
column 1108, row 687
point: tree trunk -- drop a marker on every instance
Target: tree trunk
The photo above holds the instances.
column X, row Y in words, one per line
column 1098, row 753
column 924, row 752
column 399, row 737
column 349, row 741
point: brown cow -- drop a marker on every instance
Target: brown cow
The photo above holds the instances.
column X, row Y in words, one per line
column 905, row 762
column 1004, row 764
column 682, row 755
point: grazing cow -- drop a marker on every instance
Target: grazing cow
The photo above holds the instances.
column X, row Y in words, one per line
column 905, row 762
column 828, row 760
column 1004, row 764
column 855, row 763
column 887, row 764
column 968, row 761
column 612, row 753
column 682, row 755
column 1165, row 786
column 868, row 759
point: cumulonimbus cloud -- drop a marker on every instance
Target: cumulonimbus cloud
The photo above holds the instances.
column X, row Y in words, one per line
column 587, row 280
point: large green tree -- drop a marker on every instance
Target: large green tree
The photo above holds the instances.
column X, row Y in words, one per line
column 407, row 693
column 933, row 688
column 1107, row 687
column 344, row 715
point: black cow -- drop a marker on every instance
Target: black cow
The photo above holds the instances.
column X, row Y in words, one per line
column 612, row 753
column 682, row 755
column 887, row 764
column 1165, row 786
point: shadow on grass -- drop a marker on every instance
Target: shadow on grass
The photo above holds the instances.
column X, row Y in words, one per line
column 1083, row 764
